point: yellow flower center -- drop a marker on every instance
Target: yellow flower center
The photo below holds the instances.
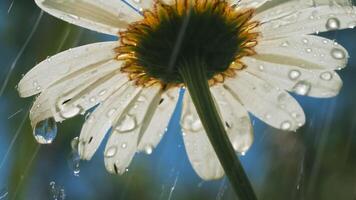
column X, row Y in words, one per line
column 208, row 33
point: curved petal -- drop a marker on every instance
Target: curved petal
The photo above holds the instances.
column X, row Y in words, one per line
column 103, row 118
column 308, row 51
column 199, row 149
column 107, row 16
column 122, row 144
column 236, row 119
column 317, row 83
column 159, row 122
column 67, row 63
column 54, row 100
column 270, row 104
column 295, row 18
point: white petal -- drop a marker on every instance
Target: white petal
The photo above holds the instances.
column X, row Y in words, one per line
column 317, row 83
column 310, row 52
column 56, row 68
column 159, row 122
column 107, row 16
column 122, row 144
column 53, row 100
column 295, row 18
column 327, row 2
column 270, row 104
column 103, row 118
column 248, row 3
column 236, row 119
column 199, row 149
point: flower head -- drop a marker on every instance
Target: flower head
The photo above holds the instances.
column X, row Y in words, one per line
column 250, row 58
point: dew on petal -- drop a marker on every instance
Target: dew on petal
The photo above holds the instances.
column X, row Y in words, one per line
column 332, row 24
column 148, row 149
column 45, row 131
column 111, row 152
column 302, row 88
column 191, row 123
column 286, row 125
column 326, row 76
column 69, row 112
column 338, row 54
column 294, row 74
column 128, row 123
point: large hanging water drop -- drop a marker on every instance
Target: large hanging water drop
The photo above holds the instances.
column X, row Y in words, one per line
column 45, row 131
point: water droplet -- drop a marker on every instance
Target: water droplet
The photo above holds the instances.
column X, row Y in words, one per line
column 302, row 88
column 308, row 50
column 191, row 123
column 3, row 193
column 74, row 162
column 294, row 74
column 285, row 44
column 338, row 54
column 326, row 76
column 92, row 99
column 45, row 131
column 70, row 111
column 124, row 145
column 148, row 149
column 74, row 143
column 286, row 125
column 352, row 24
column 102, row 92
column 305, row 41
column 56, row 192
column 110, row 152
column 268, row 116
column 111, row 112
column 128, row 123
column 332, row 24
column 261, row 67
column 74, row 158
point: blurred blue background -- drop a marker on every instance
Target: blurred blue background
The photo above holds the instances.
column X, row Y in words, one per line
column 316, row 162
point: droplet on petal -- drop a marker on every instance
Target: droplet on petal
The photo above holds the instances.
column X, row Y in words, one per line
column 338, row 54
column 326, row 76
column 302, row 88
column 294, row 74
column 129, row 123
column 286, row 125
column 110, row 152
column 45, row 131
column 191, row 123
column 148, row 149
column 332, row 24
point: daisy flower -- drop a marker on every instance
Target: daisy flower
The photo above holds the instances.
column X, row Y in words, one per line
column 233, row 57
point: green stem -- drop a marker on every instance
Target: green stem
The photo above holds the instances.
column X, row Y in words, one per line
column 196, row 81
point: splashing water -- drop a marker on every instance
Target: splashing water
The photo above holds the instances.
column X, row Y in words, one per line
column 56, row 192
column 74, row 158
